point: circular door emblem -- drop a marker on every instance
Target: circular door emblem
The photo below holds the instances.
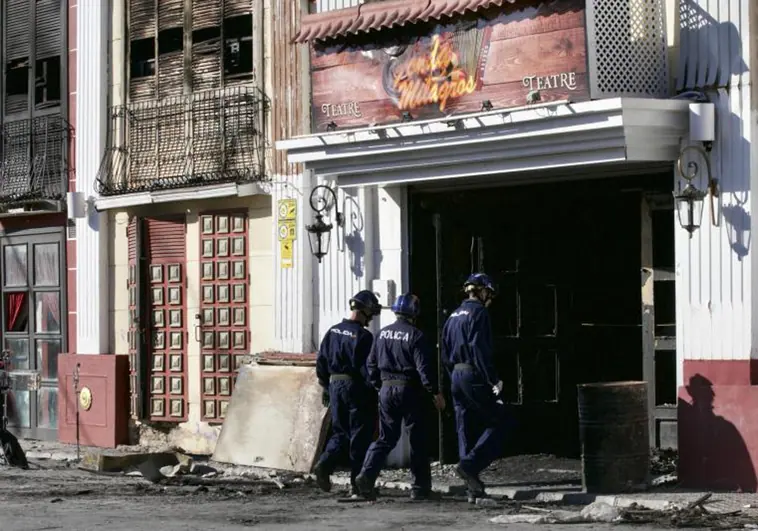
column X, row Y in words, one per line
column 85, row 398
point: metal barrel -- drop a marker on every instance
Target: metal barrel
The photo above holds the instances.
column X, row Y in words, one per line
column 613, row 430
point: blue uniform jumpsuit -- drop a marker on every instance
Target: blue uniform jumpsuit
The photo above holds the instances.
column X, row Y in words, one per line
column 399, row 366
column 341, row 367
column 467, row 355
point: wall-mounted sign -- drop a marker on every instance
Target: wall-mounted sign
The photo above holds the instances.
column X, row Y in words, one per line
column 287, row 209
column 287, row 230
column 285, row 254
column 453, row 68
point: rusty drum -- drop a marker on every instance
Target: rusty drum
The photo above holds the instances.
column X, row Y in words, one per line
column 613, row 429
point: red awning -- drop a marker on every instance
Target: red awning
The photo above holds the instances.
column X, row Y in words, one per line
column 382, row 15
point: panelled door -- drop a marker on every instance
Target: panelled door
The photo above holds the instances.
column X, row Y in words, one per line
column 221, row 327
column 33, row 329
column 164, row 291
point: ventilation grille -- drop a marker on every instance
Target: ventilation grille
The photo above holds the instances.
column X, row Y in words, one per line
column 627, row 48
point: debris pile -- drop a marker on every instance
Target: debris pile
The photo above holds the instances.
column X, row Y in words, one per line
column 663, row 461
column 692, row 515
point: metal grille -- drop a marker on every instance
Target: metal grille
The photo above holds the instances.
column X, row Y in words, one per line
column 207, row 137
column 34, row 164
column 626, row 48
column 224, row 308
column 135, row 333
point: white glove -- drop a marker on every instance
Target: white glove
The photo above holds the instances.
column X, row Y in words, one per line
column 498, row 388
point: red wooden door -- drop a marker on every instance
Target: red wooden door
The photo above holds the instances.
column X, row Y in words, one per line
column 222, row 326
column 164, row 320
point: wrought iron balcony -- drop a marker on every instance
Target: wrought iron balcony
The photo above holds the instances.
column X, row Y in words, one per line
column 209, row 137
column 34, row 162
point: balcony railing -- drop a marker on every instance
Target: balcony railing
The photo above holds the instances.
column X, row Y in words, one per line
column 209, row 137
column 34, row 165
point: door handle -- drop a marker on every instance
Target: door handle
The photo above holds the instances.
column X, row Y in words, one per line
column 198, row 327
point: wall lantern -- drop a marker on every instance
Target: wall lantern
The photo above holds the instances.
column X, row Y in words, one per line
column 689, row 202
column 319, row 233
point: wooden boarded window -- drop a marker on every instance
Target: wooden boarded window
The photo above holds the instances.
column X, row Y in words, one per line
column 34, row 51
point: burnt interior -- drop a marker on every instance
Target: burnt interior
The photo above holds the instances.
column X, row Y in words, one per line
column 567, row 261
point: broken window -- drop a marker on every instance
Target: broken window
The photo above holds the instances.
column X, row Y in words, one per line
column 47, row 86
column 170, row 40
column 142, row 58
column 206, row 34
column 238, row 45
column 17, row 77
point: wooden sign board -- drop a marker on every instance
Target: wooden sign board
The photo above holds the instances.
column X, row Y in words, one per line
column 500, row 56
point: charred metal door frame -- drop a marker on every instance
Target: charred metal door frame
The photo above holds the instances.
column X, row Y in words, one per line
column 137, row 325
column 31, row 379
column 651, row 344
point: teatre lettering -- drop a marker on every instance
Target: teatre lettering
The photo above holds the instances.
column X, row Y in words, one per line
column 565, row 80
column 433, row 77
column 351, row 108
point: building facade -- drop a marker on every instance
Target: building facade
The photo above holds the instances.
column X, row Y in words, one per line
column 36, row 171
column 541, row 142
column 173, row 210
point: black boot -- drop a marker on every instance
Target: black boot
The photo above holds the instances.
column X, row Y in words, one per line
column 474, row 484
column 323, row 480
column 365, row 487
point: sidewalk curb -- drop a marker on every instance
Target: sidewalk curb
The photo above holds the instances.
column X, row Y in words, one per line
column 565, row 498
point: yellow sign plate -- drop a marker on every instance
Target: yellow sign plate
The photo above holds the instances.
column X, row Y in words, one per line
column 287, row 210
column 285, row 247
column 287, row 230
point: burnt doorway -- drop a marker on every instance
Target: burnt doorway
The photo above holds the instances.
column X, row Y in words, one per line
column 33, row 329
column 566, row 258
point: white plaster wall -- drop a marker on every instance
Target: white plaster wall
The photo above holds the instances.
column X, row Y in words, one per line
column 714, row 267
column 292, row 316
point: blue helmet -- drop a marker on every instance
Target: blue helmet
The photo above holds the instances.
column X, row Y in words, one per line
column 479, row 280
column 407, row 305
column 365, row 300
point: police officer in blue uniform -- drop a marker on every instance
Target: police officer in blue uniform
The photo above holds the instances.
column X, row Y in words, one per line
column 399, row 368
column 342, row 373
column 475, row 385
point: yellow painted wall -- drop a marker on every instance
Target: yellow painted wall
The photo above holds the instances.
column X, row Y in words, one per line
column 194, row 435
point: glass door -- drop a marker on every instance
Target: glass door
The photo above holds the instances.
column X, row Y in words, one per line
column 33, row 330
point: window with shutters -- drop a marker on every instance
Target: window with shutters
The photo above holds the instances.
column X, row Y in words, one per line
column 34, row 134
column 238, row 45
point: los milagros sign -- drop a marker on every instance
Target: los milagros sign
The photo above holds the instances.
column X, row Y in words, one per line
column 501, row 58
column 432, row 78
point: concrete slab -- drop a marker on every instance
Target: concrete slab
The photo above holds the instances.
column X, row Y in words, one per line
column 102, row 462
column 275, row 419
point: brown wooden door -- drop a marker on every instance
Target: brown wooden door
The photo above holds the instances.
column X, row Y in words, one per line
column 223, row 322
column 158, row 283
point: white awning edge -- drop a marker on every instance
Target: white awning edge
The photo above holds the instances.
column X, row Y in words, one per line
column 612, row 131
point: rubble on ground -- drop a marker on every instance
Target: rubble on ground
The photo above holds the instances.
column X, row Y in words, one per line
column 692, row 515
column 663, row 461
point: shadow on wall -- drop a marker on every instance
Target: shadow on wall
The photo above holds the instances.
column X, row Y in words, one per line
column 712, row 453
column 711, row 54
column 354, row 241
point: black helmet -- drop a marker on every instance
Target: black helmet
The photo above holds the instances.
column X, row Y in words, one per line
column 367, row 302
